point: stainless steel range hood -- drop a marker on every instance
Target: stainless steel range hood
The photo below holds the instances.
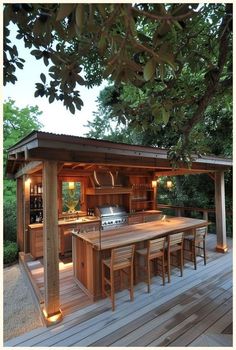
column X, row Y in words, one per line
column 106, row 179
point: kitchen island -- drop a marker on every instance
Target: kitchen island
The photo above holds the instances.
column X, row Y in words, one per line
column 88, row 249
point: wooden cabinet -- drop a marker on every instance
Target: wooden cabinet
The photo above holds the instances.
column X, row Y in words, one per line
column 64, row 236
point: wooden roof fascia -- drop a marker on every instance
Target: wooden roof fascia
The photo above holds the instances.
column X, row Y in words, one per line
column 97, row 149
column 181, row 172
column 96, row 143
column 218, row 161
column 29, row 168
column 29, row 141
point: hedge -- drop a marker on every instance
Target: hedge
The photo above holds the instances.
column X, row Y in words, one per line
column 10, row 252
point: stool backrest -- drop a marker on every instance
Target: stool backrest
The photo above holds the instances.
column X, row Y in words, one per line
column 176, row 238
column 118, row 254
column 156, row 244
column 201, row 232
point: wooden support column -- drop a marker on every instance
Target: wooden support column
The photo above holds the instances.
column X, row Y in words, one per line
column 50, row 243
column 220, row 212
column 26, row 212
column 19, row 214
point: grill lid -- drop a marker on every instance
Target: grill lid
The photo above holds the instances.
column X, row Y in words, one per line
column 111, row 210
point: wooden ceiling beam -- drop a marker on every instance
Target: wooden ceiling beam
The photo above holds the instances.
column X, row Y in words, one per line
column 29, row 168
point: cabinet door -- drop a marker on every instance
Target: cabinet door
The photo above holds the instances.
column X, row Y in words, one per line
column 36, row 242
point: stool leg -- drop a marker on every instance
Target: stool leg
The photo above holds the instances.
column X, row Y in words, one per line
column 112, row 291
column 194, row 255
column 168, row 265
column 121, row 280
column 131, row 283
column 181, row 261
column 148, row 275
column 103, row 280
column 136, row 269
column 163, row 269
column 204, row 250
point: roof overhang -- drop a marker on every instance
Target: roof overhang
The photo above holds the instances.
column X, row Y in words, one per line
column 41, row 146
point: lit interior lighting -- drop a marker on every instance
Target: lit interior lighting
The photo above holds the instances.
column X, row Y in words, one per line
column 71, row 185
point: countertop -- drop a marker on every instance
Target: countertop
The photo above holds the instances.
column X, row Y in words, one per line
column 63, row 222
column 140, row 232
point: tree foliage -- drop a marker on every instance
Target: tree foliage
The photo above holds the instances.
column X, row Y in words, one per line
column 175, row 57
column 17, row 123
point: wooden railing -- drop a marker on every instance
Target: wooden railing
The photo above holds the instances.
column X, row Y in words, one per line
column 181, row 211
column 188, row 211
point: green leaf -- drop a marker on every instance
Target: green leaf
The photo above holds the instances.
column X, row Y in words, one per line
column 51, row 99
column 64, row 11
column 149, row 69
column 155, row 110
column 165, row 115
column 176, row 23
column 102, row 43
column 43, row 78
column 167, row 56
column 72, row 108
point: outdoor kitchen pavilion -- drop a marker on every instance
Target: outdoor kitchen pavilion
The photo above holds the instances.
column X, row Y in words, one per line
column 54, row 157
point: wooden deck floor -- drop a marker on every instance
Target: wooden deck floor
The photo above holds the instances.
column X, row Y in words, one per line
column 195, row 310
column 72, row 297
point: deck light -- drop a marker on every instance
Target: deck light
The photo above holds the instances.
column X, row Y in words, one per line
column 50, row 320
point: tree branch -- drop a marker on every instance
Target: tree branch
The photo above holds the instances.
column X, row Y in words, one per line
column 213, row 77
column 166, row 17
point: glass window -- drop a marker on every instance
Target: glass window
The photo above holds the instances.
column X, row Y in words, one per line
column 71, row 196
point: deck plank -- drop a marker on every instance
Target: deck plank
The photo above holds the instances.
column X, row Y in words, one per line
column 200, row 299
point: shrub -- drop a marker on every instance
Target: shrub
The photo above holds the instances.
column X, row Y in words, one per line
column 10, row 252
column 9, row 212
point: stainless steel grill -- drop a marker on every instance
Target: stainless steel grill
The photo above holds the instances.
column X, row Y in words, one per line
column 112, row 216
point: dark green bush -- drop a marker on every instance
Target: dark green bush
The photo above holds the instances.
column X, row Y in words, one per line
column 9, row 216
column 10, row 252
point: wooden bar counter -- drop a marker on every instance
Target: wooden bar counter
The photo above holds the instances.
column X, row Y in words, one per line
column 88, row 249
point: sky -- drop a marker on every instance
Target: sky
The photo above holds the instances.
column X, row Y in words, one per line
column 55, row 117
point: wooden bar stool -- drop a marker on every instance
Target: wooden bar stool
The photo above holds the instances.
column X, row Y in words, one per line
column 121, row 260
column 155, row 250
column 195, row 242
column 175, row 245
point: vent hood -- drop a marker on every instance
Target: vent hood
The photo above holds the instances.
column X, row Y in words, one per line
column 106, row 179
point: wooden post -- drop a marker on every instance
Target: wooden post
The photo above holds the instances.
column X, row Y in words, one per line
column 220, row 212
column 154, row 207
column 50, row 241
column 205, row 215
column 19, row 214
column 26, row 211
